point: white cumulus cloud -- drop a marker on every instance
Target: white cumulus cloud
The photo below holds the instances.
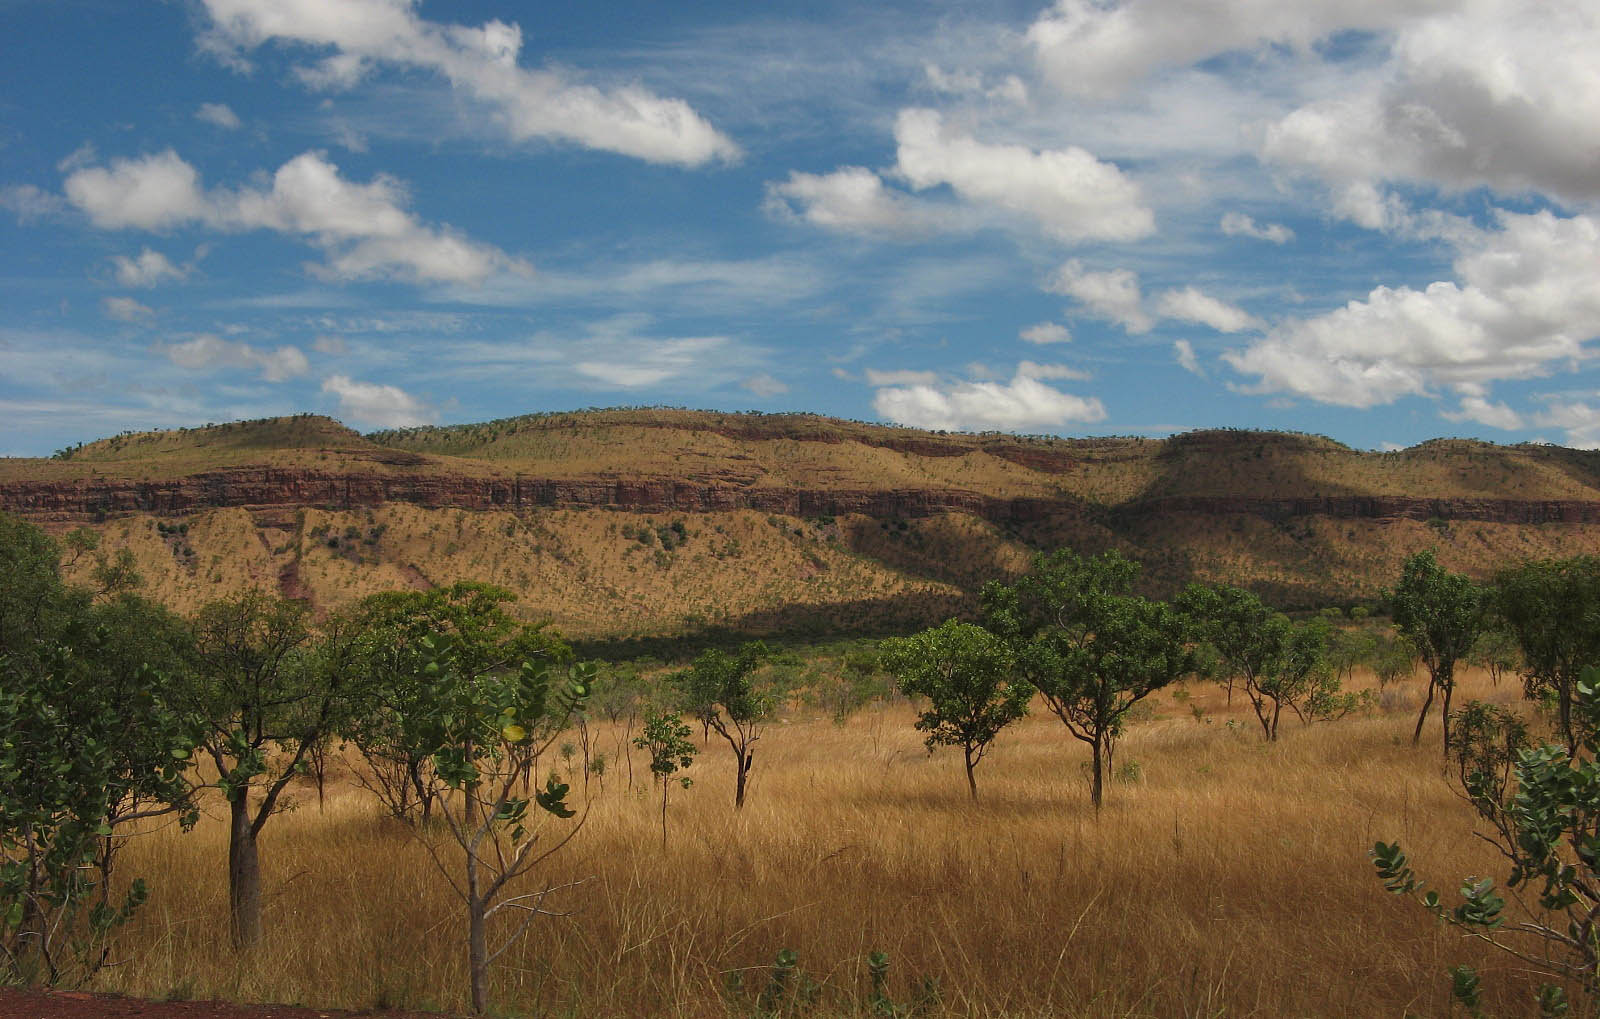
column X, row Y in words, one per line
column 1069, row 193
column 146, row 269
column 1239, row 224
column 125, row 309
column 1578, row 418
column 1095, row 48
column 480, row 62
column 1183, row 350
column 218, row 115
column 1022, row 404
column 153, row 192
column 1493, row 93
column 1191, row 305
column 1476, row 406
column 376, row 404
column 1046, row 332
column 852, row 199
column 1113, row 294
column 1525, row 301
column 364, row 229
column 208, row 352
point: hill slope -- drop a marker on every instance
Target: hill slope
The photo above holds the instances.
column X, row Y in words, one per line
column 635, row 522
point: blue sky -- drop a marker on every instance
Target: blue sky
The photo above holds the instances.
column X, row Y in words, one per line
column 1375, row 220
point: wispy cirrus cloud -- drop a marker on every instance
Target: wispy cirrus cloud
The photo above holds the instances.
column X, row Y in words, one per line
column 481, row 62
column 147, row 269
column 209, row 352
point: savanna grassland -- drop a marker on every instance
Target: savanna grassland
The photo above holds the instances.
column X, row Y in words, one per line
column 1226, row 876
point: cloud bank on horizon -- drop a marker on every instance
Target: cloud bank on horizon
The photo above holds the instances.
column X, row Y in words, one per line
column 1380, row 221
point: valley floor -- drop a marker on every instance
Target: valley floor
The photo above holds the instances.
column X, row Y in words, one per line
column 1226, row 877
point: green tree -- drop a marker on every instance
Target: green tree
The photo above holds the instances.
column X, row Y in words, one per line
column 1496, row 651
column 1302, row 679
column 857, row 680
column 116, row 574
column 1348, row 649
column 665, row 737
column 1092, row 649
column 260, row 704
column 619, row 695
column 389, row 725
column 1231, row 621
column 80, row 540
column 720, row 691
column 1442, row 615
column 1542, row 808
column 1393, row 658
column 484, row 725
column 1552, row 607
column 965, row 672
column 88, row 744
column 1281, row 664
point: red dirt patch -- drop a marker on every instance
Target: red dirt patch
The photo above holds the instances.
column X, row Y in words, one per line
column 79, row 1005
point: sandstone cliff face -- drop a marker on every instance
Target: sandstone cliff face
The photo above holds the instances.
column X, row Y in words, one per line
column 267, row 488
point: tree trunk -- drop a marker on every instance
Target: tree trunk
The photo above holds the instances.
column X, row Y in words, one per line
column 663, row 815
column 1258, row 704
column 33, row 930
column 972, row 782
column 477, row 940
column 1277, row 713
column 744, row 759
column 1416, row 737
column 244, row 874
column 627, row 748
column 1447, row 682
column 1564, row 703
column 1097, row 786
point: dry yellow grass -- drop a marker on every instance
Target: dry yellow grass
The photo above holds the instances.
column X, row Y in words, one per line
column 1229, row 879
column 575, row 568
column 759, row 572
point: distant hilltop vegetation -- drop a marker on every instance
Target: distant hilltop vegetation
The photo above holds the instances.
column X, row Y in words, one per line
column 634, row 523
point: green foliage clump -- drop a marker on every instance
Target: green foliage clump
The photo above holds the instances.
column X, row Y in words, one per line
column 1091, row 647
column 966, row 674
column 1441, row 614
column 665, row 738
column 722, row 692
column 90, row 741
column 1542, row 807
column 1552, row 608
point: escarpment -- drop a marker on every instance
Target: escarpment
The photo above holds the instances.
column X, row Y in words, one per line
column 253, row 488
column 637, row 522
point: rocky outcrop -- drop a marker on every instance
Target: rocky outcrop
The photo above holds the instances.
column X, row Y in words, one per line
column 263, row 489
column 266, row 490
column 1377, row 507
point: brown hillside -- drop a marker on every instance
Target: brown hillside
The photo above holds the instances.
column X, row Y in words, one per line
column 782, row 521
